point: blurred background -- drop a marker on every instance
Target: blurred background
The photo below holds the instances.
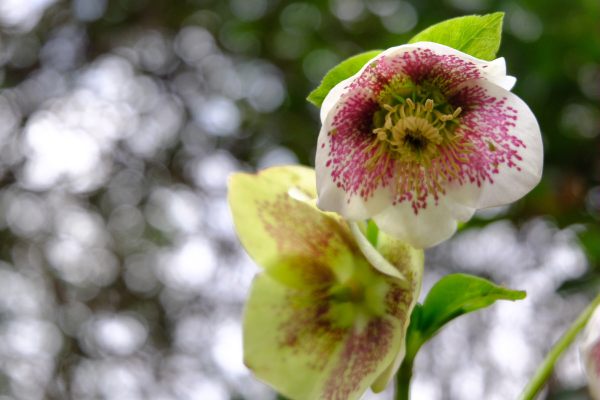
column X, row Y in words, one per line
column 120, row 120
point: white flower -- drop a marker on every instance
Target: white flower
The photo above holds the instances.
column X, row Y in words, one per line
column 423, row 136
column 590, row 353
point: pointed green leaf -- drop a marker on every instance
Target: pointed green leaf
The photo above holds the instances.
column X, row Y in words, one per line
column 458, row 294
column 477, row 35
column 342, row 71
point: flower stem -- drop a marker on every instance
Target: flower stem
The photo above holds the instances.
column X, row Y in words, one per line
column 545, row 369
column 403, row 378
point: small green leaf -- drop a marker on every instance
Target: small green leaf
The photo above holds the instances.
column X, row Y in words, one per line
column 342, row 71
column 458, row 294
column 477, row 35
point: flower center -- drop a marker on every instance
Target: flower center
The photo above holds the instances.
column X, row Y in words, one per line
column 357, row 298
column 413, row 131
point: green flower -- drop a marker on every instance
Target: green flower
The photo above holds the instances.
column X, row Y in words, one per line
column 327, row 317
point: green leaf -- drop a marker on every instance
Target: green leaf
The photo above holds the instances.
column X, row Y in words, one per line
column 342, row 71
column 458, row 294
column 477, row 35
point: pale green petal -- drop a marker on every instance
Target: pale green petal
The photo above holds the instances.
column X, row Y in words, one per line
column 398, row 260
column 377, row 260
column 291, row 343
column 321, row 322
column 409, row 261
column 277, row 222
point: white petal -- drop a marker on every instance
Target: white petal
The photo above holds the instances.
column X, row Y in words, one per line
column 429, row 227
column 334, row 95
column 333, row 198
column 510, row 184
column 505, row 82
column 338, row 90
column 466, row 194
column 494, row 71
column 497, row 67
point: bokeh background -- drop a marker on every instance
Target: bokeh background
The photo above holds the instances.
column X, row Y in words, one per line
column 120, row 120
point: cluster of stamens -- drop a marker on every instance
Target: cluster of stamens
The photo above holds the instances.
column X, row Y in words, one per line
column 413, row 131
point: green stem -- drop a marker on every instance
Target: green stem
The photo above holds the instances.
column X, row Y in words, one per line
column 403, row 378
column 545, row 369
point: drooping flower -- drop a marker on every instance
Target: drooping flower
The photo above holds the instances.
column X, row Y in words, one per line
column 590, row 353
column 423, row 136
column 321, row 322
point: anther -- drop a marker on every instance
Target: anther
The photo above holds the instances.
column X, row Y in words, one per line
column 429, row 105
column 456, row 112
column 410, row 103
column 381, row 134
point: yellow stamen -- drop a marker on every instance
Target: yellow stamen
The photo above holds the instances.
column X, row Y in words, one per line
column 413, row 131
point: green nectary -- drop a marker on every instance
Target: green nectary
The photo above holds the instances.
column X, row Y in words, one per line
column 359, row 297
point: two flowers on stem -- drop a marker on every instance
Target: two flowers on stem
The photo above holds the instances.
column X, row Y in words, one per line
column 413, row 140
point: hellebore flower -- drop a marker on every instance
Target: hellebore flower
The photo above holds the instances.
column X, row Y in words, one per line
column 321, row 322
column 420, row 138
column 590, row 353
